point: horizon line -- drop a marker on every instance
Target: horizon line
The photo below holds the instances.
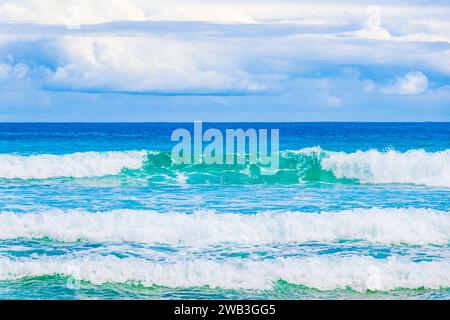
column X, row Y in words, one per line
column 193, row 121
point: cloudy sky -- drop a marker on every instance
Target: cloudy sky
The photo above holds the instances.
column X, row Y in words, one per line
column 219, row 60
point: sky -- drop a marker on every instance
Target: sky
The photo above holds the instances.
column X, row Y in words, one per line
column 224, row 60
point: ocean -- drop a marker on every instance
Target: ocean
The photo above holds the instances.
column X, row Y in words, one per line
column 100, row 211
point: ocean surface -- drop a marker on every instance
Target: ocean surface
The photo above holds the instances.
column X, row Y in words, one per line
column 100, row 211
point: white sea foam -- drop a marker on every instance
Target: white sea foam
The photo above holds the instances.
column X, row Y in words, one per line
column 388, row 226
column 323, row 273
column 77, row 165
column 412, row 167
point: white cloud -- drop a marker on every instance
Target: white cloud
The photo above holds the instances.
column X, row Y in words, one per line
column 197, row 64
column 373, row 29
column 144, row 64
column 63, row 12
column 209, row 61
column 222, row 11
column 427, row 18
column 18, row 71
column 408, row 32
column 410, row 84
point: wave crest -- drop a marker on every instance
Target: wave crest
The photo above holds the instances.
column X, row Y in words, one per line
column 322, row 273
column 388, row 226
column 76, row 165
column 305, row 165
column 414, row 166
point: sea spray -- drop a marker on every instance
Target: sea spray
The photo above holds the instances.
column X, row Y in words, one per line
column 295, row 166
column 389, row 226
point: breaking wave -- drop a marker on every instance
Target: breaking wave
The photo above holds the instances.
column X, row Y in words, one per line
column 310, row 164
column 322, row 273
column 76, row 165
column 388, row 226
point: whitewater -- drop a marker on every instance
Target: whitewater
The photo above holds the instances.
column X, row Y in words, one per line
column 389, row 226
column 101, row 211
column 309, row 164
column 322, row 273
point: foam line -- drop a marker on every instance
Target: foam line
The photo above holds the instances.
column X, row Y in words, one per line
column 309, row 164
column 76, row 165
column 388, row 226
column 323, row 273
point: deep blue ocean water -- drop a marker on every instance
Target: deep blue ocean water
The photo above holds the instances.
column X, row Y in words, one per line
column 356, row 210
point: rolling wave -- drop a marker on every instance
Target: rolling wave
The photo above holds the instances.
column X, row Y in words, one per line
column 322, row 273
column 388, row 226
column 414, row 167
column 76, row 165
column 310, row 164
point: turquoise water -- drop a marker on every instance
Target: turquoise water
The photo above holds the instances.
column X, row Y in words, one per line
column 100, row 211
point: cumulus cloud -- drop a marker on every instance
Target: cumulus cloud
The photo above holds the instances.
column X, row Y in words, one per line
column 8, row 72
column 407, row 31
column 151, row 64
column 327, row 13
column 19, row 86
column 70, row 12
column 193, row 64
column 373, row 28
column 293, row 52
column 221, row 11
column 410, row 84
